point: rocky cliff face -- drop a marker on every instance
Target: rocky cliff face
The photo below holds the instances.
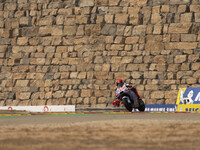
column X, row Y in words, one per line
column 71, row 51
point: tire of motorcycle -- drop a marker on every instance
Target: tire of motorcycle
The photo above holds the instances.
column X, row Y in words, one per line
column 141, row 105
column 127, row 105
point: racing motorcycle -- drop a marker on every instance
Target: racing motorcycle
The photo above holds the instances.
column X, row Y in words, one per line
column 130, row 99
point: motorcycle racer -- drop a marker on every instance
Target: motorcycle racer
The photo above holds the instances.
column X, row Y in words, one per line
column 120, row 84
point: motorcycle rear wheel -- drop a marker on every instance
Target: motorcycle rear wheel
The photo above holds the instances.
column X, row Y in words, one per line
column 141, row 105
column 127, row 105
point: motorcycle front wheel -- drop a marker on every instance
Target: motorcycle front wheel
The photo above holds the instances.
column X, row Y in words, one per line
column 127, row 103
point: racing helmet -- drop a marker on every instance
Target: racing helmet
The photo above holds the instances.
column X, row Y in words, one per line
column 119, row 83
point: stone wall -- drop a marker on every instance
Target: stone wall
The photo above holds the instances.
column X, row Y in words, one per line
column 72, row 51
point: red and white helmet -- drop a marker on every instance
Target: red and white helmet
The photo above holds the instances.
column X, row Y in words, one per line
column 119, row 83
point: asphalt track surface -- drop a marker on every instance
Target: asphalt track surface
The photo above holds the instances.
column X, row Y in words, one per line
column 99, row 131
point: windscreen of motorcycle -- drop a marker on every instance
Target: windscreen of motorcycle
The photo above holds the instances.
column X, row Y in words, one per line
column 122, row 89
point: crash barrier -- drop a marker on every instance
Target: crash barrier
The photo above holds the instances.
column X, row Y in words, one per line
column 188, row 100
column 46, row 108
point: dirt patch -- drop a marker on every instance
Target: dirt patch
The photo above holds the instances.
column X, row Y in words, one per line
column 108, row 135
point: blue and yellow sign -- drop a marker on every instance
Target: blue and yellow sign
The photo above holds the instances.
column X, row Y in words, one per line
column 188, row 99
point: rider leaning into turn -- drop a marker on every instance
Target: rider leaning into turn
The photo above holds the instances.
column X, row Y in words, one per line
column 119, row 84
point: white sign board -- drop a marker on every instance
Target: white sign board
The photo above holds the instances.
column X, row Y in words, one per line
column 46, row 108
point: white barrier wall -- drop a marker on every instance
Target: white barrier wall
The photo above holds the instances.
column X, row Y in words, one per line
column 47, row 108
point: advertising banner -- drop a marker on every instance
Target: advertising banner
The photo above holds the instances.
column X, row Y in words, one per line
column 159, row 108
column 188, row 108
column 188, row 99
column 46, row 108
